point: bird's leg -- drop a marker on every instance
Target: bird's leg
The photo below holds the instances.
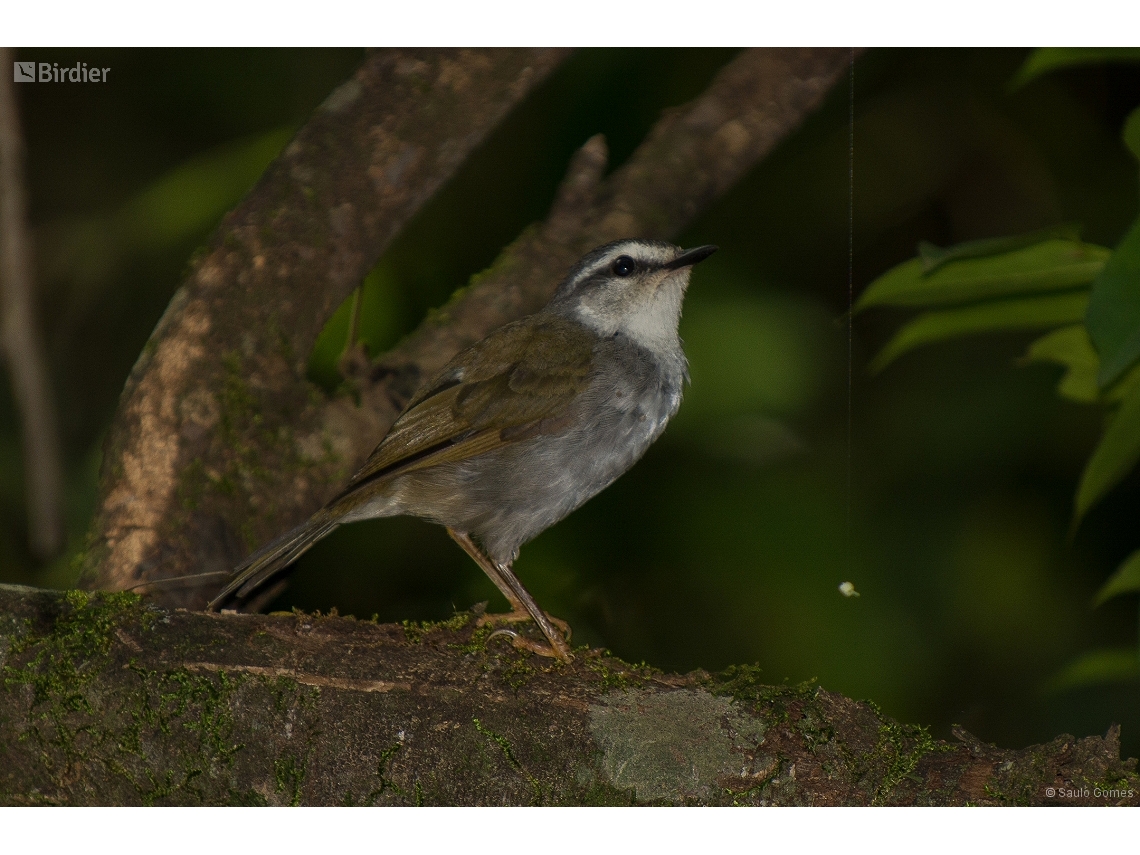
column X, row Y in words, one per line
column 523, row 606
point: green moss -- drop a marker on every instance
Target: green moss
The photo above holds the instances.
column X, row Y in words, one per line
column 744, row 684
column 386, row 783
column 501, row 267
column 190, row 485
column 602, row 794
column 59, row 664
column 518, row 672
column 238, row 403
column 70, row 653
column 289, row 775
column 476, row 645
column 415, row 631
column 617, row 674
column 168, row 736
column 897, row 752
column 505, row 747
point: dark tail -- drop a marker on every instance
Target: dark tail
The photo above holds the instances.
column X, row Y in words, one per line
column 273, row 558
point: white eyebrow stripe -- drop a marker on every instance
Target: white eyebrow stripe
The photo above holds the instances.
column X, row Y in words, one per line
column 601, row 265
column 646, row 252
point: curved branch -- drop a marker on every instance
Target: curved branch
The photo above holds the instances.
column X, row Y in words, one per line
column 691, row 157
column 223, row 373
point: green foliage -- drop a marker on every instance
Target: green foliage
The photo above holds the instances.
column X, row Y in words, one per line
column 935, row 256
column 193, row 196
column 1044, row 60
column 377, row 326
column 987, row 270
column 1004, row 284
column 993, row 316
column 1115, row 455
column 174, row 210
column 1132, row 132
column 1071, row 348
column 1125, row 580
column 1113, row 665
column 1114, row 309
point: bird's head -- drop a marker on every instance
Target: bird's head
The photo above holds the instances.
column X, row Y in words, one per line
column 633, row 287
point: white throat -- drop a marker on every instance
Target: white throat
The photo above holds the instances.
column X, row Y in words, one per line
column 652, row 325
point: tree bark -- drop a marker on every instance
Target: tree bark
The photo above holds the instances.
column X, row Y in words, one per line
column 205, row 438
column 105, row 700
column 220, row 444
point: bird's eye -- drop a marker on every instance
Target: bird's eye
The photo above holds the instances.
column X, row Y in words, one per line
column 623, row 265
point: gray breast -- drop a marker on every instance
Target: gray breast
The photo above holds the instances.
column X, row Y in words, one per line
column 509, row 496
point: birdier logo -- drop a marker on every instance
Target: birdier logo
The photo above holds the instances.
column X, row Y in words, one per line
column 50, row 72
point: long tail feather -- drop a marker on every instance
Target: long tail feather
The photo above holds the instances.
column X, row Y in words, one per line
column 273, row 558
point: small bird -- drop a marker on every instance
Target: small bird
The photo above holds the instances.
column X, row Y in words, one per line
column 524, row 426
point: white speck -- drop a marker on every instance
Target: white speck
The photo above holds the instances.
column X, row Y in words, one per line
column 400, row 736
column 847, row 589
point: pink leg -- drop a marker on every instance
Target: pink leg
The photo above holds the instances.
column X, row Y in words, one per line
column 523, row 606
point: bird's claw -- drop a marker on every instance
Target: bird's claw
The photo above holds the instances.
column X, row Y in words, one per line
column 521, row 642
column 521, row 617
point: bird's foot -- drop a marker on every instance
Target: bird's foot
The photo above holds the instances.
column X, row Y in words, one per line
column 521, row 616
column 557, row 648
column 521, row 642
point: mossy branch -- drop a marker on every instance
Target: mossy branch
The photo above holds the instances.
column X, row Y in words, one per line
column 107, row 700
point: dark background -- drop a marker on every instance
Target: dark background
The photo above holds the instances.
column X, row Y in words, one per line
column 942, row 488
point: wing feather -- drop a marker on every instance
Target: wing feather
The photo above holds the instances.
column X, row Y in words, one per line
column 516, row 383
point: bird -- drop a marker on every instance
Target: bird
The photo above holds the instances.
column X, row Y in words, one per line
column 524, row 426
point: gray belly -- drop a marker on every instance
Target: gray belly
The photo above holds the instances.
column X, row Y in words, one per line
column 508, row 496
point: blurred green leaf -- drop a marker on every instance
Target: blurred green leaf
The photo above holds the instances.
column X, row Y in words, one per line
column 1132, row 132
column 1070, row 347
column 1050, row 265
column 378, row 327
column 1016, row 314
column 192, row 197
column 1112, row 665
column 1125, row 580
column 1113, row 317
column 179, row 207
column 1114, row 457
column 1044, row 60
column 935, row 256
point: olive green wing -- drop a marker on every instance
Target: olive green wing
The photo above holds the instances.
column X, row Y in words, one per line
column 516, row 383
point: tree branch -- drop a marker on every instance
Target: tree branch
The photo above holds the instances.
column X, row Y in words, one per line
column 105, row 700
column 21, row 340
column 203, row 437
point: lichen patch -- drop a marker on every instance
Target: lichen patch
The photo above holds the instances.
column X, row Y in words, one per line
column 671, row 746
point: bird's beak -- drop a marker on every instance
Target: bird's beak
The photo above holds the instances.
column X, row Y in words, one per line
column 691, row 256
